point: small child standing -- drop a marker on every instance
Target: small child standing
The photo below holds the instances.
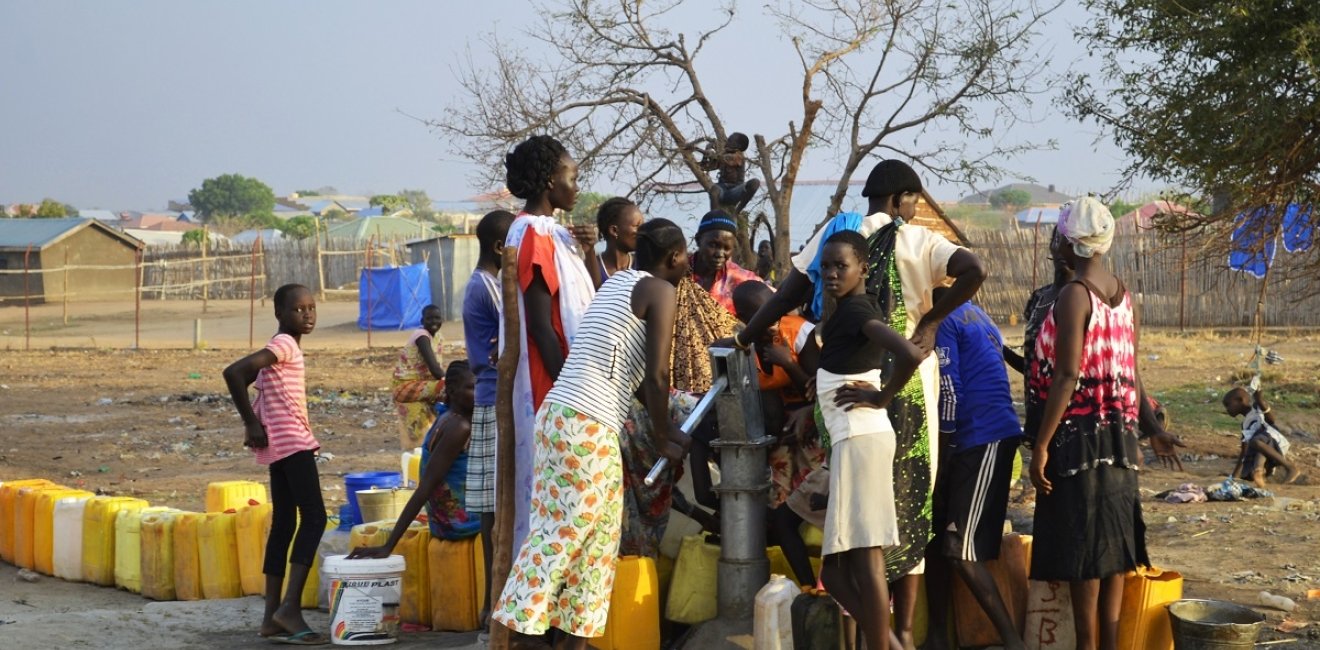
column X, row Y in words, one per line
column 1263, row 446
column 278, row 433
column 861, row 517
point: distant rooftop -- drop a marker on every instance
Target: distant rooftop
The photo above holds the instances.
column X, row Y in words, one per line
column 19, row 234
column 1040, row 194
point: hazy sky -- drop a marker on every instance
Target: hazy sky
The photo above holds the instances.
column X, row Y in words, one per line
column 125, row 105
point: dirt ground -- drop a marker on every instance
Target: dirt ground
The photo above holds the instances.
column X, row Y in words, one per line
column 82, row 408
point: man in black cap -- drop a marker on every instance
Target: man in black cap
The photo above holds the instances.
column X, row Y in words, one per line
column 916, row 260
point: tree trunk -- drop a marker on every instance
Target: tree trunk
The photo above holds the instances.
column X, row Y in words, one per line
column 507, row 367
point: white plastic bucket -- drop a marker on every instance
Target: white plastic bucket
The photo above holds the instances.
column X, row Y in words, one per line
column 364, row 599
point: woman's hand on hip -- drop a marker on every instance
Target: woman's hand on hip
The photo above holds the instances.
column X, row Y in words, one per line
column 855, row 394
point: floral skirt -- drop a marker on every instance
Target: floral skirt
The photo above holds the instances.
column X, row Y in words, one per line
column 646, row 509
column 564, row 572
column 414, row 399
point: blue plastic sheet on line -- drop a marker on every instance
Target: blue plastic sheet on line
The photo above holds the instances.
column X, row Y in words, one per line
column 1247, row 253
column 393, row 298
column 1298, row 228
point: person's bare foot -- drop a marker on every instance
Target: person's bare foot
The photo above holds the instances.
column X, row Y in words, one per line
column 1258, row 479
column 270, row 628
column 907, row 640
column 289, row 621
column 1293, row 475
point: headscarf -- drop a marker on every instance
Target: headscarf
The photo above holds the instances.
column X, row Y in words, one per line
column 1087, row 224
column 717, row 220
column 841, row 221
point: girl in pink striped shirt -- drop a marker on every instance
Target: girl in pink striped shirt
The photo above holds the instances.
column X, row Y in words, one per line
column 277, row 431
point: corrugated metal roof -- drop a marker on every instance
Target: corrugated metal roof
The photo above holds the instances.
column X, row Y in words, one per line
column 99, row 215
column 19, row 234
column 380, row 227
column 1032, row 216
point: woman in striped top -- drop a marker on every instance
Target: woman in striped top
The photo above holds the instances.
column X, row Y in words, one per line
column 564, row 572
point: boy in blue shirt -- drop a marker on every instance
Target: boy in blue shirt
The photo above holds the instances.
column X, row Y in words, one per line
column 979, row 435
column 481, row 332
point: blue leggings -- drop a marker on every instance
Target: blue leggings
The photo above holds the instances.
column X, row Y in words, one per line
column 295, row 492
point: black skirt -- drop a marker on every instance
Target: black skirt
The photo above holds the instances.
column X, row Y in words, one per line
column 1089, row 527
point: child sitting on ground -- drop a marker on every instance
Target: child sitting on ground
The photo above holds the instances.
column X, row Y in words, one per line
column 1263, row 446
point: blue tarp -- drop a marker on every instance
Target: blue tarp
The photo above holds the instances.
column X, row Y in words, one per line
column 1247, row 253
column 1298, row 228
column 393, row 298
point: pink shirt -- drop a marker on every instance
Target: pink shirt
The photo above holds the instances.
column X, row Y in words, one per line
column 281, row 403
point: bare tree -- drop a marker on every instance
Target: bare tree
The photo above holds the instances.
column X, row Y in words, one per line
column 936, row 83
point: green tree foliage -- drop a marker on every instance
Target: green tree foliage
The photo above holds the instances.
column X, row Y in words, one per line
column 388, row 203
column 300, row 227
column 1010, row 199
column 584, row 211
column 52, row 209
column 231, row 195
column 335, row 214
column 418, row 202
column 1219, row 98
column 195, row 237
column 1119, row 207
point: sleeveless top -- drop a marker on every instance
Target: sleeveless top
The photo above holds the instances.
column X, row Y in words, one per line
column 446, row 513
column 1099, row 426
column 605, row 364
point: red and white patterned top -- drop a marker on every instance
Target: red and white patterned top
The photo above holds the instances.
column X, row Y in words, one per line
column 281, row 403
column 1099, row 426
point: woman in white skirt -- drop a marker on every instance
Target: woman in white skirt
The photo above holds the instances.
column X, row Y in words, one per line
column 860, row 521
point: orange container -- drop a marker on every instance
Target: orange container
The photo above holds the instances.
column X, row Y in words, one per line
column 458, row 573
column 1010, row 572
column 9, row 512
column 251, row 530
column 232, row 495
column 217, row 547
column 634, row 621
column 25, row 527
column 43, row 528
column 158, row 555
column 1147, row 593
column 415, row 605
column 187, row 561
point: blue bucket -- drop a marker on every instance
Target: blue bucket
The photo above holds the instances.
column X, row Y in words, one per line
column 366, row 481
column 346, row 516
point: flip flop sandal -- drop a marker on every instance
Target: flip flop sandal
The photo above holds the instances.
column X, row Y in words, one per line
column 305, row 637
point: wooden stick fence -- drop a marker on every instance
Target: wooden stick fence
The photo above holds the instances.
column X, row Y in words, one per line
column 1173, row 286
column 219, row 272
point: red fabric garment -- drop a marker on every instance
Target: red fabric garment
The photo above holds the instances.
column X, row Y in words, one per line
column 537, row 253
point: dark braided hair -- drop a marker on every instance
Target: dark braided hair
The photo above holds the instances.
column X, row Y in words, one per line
column 611, row 211
column 455, row 371
column 531, row 164
column 656, row 239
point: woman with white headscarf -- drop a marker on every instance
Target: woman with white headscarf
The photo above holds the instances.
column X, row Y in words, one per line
column 1082, row 411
